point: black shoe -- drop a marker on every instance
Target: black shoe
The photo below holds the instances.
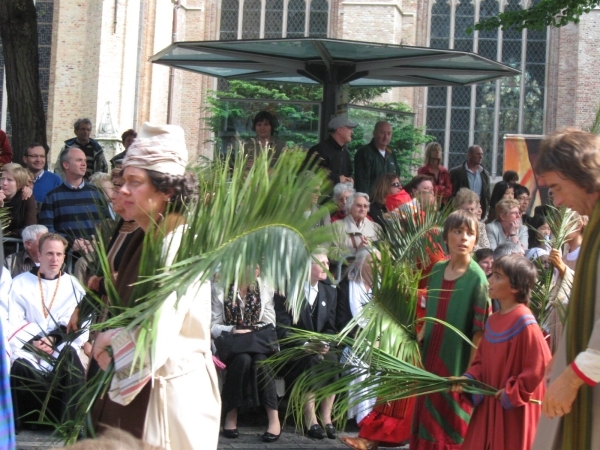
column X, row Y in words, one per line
column 316, row 432
column 231, row 434
column 270, row 437
column 331, row 431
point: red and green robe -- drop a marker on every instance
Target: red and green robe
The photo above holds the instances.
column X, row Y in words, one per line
column 440, row 420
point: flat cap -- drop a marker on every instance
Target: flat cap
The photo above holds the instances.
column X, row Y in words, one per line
column 341, row 121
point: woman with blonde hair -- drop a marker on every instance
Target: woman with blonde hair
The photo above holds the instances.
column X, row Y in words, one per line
column 442, row 185
column 468, row 200
column 22, row 212
column 507, row 226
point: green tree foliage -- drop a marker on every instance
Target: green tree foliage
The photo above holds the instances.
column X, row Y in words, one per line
column 541, row 14
column 298, row 123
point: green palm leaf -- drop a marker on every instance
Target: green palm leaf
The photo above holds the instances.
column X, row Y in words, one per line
column 562, row 221
column 242, row 218
column 384, row 379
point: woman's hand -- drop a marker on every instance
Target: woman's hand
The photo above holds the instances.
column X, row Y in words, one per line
column 73, row 321
column 94, row 283
column 26, row 192
column 2, row 197
column 99, row 351
column 555, row 259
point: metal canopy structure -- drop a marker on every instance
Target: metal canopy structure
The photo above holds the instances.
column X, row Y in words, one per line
column 332, row 63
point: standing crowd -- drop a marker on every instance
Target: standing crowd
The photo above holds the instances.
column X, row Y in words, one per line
column 193, row 380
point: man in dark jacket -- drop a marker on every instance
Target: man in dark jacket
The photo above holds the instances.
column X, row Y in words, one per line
column 332, row 153
column 96, row 162
column 473, row 176
column 375, row 159
column 318, row 315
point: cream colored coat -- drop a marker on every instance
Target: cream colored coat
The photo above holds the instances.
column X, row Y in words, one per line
column 549, row 435
column 185, row 405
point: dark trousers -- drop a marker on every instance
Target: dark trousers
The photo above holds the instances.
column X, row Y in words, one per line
column 245, row 377
column 30, row 388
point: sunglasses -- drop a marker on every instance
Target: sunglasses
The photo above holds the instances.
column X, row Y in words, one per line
column 396, row 185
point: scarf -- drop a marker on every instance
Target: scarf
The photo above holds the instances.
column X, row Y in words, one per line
column 577, row 425
column 243, row 311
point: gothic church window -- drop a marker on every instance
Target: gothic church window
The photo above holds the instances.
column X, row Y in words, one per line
column 271, row 19
column 462, row 116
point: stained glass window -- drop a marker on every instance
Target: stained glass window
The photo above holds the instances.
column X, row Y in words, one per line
column 229, row 20
column 296, row 18
column 440, row 24
column 273, row 19
column 499, row 106
column 319, row 10
column 251, row 19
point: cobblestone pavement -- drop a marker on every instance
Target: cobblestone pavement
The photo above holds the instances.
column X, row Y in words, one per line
column 251, row 430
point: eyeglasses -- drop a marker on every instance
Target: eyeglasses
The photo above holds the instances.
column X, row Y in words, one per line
column 396, row 185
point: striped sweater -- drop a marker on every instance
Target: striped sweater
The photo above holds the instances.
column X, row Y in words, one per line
column 72, row 212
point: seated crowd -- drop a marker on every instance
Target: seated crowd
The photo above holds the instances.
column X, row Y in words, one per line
column 58, row 218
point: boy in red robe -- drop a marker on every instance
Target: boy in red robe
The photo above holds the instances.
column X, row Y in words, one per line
column 511, row 357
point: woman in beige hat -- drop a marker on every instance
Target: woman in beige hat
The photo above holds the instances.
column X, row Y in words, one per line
column 173, row 400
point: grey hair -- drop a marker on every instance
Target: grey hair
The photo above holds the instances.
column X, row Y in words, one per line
column 98, row 178
column 318, row 252
column 354, row 196
column 342, row 188
column 78, row 122
column 508, row 248
column 64, row 155
column 355, row 269
column 30, row 233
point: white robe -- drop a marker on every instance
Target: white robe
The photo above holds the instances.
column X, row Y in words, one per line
column 184, row 410
column 26, row 316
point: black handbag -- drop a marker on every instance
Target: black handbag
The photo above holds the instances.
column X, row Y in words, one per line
column 262, row 341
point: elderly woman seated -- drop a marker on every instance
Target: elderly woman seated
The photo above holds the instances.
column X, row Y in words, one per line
column 341, row 192
column 507, row 226
column 469, row 201
column 356, row 230
column 240, row 310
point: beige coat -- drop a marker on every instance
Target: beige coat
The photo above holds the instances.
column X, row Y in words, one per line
column 185, row 405
column 549, row 436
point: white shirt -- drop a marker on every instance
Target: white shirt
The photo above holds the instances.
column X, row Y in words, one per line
column 311, row 292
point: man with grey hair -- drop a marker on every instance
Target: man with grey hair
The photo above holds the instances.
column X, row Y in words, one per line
column 74, row 208
column 96, row 162
column 375, row 159
column 28, row 258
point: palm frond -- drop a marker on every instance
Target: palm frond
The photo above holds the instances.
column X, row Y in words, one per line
column 243, row 217
column 414, row 234
column 562, row 222
column 384, row 379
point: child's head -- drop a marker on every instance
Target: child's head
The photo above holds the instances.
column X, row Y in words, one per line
column 539, row 231
column 461, row 220
column 485, row 258
column 513, row 276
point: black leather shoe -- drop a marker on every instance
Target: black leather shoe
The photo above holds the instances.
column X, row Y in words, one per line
column 269, row 437
column 331, row 431
column 231, row 434
column 316, row 432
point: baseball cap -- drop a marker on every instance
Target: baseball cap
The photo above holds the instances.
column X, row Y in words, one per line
column 341, row 121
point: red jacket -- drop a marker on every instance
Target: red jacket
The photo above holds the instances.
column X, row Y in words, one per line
column 5, row 149
column 442, row 184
